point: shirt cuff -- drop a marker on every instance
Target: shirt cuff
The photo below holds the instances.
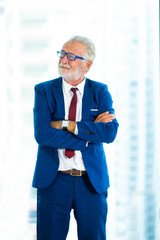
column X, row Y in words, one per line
column 87, row 144
column 76, row 130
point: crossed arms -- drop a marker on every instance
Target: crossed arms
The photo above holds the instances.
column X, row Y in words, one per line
column 105, row 117
column 49, row 133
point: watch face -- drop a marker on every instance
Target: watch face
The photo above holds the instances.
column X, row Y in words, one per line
column 65, row 124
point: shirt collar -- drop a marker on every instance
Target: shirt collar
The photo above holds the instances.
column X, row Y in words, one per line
column 67, row 86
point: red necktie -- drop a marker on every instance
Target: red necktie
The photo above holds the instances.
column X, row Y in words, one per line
column 72, row 116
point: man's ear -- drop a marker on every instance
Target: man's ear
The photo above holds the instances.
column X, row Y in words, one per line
column 88, row 65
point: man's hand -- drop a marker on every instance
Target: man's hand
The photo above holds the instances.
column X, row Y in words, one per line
column 72, row 126
column 105, row 117
column 56, row 124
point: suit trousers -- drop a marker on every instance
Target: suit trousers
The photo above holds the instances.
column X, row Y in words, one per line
column 55, row 203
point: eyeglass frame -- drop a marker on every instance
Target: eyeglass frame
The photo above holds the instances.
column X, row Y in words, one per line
column 75, row 56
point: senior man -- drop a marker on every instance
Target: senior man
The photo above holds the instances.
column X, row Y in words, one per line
column 73, row 117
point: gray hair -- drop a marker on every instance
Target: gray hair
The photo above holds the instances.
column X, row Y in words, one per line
column 90, row 51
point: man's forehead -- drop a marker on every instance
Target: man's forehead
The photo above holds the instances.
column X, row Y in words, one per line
column 74, row 47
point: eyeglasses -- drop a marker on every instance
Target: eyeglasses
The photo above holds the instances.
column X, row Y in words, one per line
column 70, row 56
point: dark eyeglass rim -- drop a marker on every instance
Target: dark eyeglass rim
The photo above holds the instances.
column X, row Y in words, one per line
column 75, row 56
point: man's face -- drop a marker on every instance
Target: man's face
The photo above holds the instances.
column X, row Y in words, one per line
column 73, row 70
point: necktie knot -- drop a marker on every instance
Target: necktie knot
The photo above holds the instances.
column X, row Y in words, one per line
column 74, row 90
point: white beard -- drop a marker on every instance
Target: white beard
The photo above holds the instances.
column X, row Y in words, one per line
column 67, row 73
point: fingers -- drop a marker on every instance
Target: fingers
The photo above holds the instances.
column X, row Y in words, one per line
column 105, row 117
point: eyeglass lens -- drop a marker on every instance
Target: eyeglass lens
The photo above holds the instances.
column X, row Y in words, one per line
column 70, row 56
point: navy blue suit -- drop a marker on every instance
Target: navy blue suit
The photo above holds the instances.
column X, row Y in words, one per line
column 49, row 106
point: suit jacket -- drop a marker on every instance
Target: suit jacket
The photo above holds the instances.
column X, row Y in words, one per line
column 49, row 106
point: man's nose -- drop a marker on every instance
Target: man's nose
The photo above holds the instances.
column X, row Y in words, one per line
column 65, row 59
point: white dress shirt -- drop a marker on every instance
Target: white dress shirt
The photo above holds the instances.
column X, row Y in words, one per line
column 76, row 161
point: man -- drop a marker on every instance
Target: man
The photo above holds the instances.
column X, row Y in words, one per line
column 73, row 116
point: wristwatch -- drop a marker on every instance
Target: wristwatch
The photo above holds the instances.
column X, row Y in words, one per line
column 65, row 124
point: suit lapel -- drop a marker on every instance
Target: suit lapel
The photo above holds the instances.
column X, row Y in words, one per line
column 58, row 95
column 87, row 100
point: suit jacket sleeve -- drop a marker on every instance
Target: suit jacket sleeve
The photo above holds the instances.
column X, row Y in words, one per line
column 100, row 132
column 44, row 134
